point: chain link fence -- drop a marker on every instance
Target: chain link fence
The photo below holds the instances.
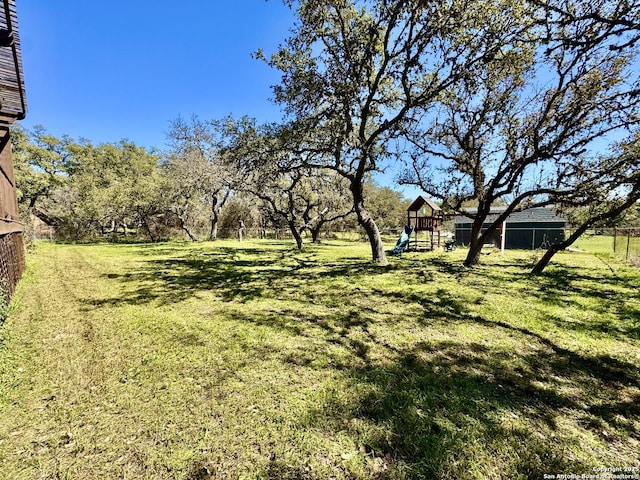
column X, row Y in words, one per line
column 626, row 243
column 285, row 234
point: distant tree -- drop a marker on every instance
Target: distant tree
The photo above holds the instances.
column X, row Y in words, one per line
column 113, row 181
column 244, row 207
column 186, row 188
column 529, row 129
column 302, row 198
column 41, row 163
column 333, row 203
column 83, row 189
column 387, row 206
column 628, row 218
column 284, row 197
column 200, row 143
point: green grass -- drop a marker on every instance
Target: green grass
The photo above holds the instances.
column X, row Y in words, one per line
column 254, row 361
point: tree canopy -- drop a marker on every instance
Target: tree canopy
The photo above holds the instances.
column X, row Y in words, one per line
column 534, row 126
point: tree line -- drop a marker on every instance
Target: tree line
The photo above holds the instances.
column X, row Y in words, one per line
column 88, row 191
column 521, row 103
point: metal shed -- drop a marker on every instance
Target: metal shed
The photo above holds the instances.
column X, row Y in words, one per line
column 529, row 229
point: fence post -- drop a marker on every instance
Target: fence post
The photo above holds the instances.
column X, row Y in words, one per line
column 615, row 238
column 533, row 239
column 628, row 242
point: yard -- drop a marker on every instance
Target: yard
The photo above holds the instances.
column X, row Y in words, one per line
column 252, row 360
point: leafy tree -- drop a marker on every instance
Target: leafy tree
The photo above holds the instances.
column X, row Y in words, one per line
column 628, row 218
column 199, row 143
column 186, row 189
column 357, row 74
column 528, row 129
column 83, row 189
column 387, row 206
column 41, row 163
column 113, row 183
column 302, row 198
column 243, row 206
column 617, row 190
column 332, row 193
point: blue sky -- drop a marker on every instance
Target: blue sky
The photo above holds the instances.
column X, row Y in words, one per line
column 126, row 68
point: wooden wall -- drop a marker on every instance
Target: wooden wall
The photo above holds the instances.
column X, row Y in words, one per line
column 13, row 106
column 9, row 219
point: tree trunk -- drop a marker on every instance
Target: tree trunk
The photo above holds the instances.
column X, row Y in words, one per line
column 369, row 224
column 613, row 212
column 473, row 255
column 375, row 240
column 478, row 237
column 315, row 233
column 145, row 222
column 213, row 235
column 296, row 235
column 241, row 230
column 315, row 230
column 184, row 227
column 475, row 243
column 215, row 215
column 548, row 255
column 556, row 247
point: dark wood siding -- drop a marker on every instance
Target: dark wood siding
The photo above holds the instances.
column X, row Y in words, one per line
column 12, row 98
column 13, row 106
column 9, row 220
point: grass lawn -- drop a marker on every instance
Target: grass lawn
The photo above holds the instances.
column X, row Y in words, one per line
column 251, row 360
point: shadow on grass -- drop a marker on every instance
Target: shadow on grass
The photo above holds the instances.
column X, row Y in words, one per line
column 557, row 285
column 432, row 411
column 234, row 275
column 613, row 299
column 440, row 408
column 434, row 408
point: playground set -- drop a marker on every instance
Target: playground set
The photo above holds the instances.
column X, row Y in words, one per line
column 423, row 228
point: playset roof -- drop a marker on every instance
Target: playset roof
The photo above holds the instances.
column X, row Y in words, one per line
column 419, row 202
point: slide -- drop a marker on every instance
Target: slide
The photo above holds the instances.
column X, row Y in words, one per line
column 403, row 241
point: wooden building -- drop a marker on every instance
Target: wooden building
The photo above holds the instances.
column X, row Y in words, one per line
column 425, row 217
column 12, row 107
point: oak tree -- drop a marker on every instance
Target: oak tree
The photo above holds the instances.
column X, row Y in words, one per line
column 357, row 74
column 533, row 128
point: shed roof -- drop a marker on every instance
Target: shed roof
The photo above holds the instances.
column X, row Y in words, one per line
column 419, row 202
column 530, row 215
